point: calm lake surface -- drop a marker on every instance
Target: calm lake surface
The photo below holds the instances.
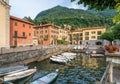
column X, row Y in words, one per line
column 82, row 70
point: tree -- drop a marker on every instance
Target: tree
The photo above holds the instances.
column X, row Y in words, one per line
column 116, row 18
column 108, row 35
column 102, row 4
column 116, row 31
column 36, row 22
column 28, row 19
column 98, row 4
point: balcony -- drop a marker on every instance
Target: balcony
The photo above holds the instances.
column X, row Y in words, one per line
column 20, row 36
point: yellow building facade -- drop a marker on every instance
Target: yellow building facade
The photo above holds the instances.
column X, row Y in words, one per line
column 89, row 35
column 4, row 24
column 63, row 34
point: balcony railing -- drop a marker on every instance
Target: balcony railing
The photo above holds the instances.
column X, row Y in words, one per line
column 20, row 36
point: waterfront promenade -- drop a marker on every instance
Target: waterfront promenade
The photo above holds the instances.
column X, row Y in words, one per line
column 25, row 48
column 25, row 55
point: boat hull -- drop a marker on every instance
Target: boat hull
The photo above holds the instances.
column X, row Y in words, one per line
column 46, row 79
column 19, row 75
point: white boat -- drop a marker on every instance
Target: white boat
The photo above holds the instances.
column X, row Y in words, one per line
column 12, row 69
column 19, row 75
column 46, row 79
column 59, row 60
column 64, row 58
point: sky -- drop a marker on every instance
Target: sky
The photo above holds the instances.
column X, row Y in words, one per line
column 22, row 8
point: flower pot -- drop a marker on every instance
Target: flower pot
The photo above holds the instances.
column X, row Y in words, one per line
column 112, row 51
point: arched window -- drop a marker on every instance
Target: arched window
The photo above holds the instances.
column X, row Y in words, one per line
column 98, row 43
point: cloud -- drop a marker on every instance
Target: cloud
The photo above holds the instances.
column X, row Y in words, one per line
column 21, row 8
column 74, row 5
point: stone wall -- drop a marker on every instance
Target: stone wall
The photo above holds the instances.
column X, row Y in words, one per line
column 26, row 57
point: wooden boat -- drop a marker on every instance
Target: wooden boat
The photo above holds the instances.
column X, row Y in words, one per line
column 12, row 69
column 19, row 75
column 49, row 78
column 97, row 55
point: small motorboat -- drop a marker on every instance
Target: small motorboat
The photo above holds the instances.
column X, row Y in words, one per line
column 47, row 79
column 19, row 75
column 59, row 60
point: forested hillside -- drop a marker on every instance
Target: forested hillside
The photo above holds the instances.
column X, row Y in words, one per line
column 76, row 17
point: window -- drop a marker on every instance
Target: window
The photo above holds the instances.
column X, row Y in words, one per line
column 41, row 36
column 15, row 24
column 45, row 37
column 35, row 33
column 29, row 34
column 74, row 38
column 15, row 33
column 23, row 34
column 45, row 31
column 23, row 25
column 86, row 33
column 46, row 27
column 81, row 39
column 98, row 37
column 29, row 26
column 93, row 37
column 86, row 38
column 93, row 32
column 99, row 32
column 74, row 35
column 41, row 32
column 80, row 34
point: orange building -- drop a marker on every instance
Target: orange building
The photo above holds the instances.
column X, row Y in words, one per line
column 49, row 34
column 21, row 32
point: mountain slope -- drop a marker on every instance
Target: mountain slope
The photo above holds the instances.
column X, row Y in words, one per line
column 74, row 17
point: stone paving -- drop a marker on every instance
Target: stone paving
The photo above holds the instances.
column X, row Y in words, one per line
column 116, row 76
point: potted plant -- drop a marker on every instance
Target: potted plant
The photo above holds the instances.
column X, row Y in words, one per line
column 110, row 36
column 111, row 48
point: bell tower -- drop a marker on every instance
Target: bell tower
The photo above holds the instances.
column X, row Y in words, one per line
column 7, row 1
column 4, row 24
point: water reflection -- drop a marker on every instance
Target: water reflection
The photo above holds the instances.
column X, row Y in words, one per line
column 81, row 70
column 89, row 62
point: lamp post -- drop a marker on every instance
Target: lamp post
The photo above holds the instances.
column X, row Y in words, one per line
column 77, row 39
column 54, row 40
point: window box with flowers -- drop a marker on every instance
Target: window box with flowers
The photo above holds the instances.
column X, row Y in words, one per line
column 111, row 48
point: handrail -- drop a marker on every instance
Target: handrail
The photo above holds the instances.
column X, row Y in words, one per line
column 105, row 75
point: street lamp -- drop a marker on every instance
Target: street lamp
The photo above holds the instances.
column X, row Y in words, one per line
column 77, row 39
column 54, row 40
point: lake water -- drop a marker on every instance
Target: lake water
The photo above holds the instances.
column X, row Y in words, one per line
column 82, row 70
